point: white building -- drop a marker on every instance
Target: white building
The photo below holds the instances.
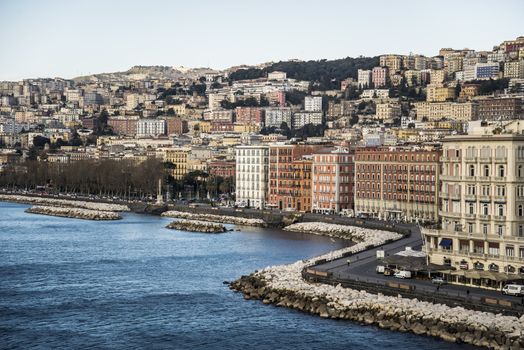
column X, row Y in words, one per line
column 375, row 93
column 364, row 78
column 300, row 119
column 277, row 75
column 277, row 115
column 150, row 127
column 313, row 103
column 252, row 167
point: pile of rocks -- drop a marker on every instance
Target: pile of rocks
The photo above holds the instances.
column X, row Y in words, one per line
column 197, row 226
column 215, row 218
column 353, row 233
column 77, row 213
column 284, row 286
column 63, row 203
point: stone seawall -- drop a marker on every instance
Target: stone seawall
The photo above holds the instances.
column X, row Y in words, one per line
column 215, row 218
column 284, row 286
column 196, row 226
column 76, row 213
column 391, row 313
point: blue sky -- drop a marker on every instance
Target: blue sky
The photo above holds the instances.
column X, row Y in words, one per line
column 69, row 38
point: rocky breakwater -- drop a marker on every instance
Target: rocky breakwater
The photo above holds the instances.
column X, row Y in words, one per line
column 77, row 213
column 215, row 218
column 284, row 286
column 353, row 233
column 63, row 203
column 196, row 226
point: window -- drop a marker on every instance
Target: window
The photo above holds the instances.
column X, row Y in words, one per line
column 470, row 227
column 471, row 208
column 501, row 191
column 520, row 210
column 485, row 209
column 485, row 229
column 471, row 170
column 521, row 231
column 519, row 171
column 501, row 172
column 500, row 230
column 486, row 170
column 501, row 210
column 471, row 190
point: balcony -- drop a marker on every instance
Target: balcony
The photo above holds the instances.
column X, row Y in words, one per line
column 484, row 198
column 448, row 214
column 469, row 178
column 484, row 217
column 499, row 179
column 499, row 218
column 449, row 178
column 501, row 159
column 483, row 178
column 470, row 197
column 499, row 199
column 470, row 159
column 469, row 216
column 485, row 159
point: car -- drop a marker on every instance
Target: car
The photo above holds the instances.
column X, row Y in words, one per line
column 380, row 269
column 403, row 274
column 438, row 280
column 513, row 289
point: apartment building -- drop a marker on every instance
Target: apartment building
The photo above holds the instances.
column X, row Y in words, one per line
column 249, row 115
column 301, row 119
column 150, row 127
column 514, row 69
column 179, row 158
column 387, row 111
column 451, row 110
column 379, row 76
column 397, row 183
column 252, row 171
column 290, row 176
column 313, row 103
column 439, row 93
column 364, row 78
column 275, row 116
column 333, row 174
column 392, row 62
column 499, row 108
column 482, row 211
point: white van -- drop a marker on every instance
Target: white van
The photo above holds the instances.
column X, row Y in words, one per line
column 513, row 289
column 403, row 274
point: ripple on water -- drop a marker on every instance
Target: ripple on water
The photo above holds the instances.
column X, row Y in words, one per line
column 134, row 284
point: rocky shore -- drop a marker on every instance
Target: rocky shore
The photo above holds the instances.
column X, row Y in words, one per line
column 284, row 286
column 196, row 226
column 77, row 213
column 63, row 203
column 353, row 233
column 215, row 218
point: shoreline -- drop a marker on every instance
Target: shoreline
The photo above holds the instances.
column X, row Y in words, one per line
column 284, row 286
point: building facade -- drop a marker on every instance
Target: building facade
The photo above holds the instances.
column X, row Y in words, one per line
column 482, row 210
column 397, row 183
column 333, row 174
column 252, row 171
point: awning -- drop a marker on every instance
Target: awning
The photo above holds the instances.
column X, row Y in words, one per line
column 446, row 242
column 494, row 276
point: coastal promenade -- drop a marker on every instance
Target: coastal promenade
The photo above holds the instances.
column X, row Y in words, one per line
column 361, row 273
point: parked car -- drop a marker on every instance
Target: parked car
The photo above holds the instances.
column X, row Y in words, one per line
column 438, row 280
column 380, row 268
column 403, row 274
column 513, row 289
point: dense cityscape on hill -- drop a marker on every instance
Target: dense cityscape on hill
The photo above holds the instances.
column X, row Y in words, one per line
column 435, row 143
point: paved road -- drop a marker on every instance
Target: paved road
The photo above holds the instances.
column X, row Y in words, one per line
column 363, row 265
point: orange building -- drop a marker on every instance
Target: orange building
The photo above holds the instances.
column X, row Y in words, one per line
column 333, row 175
column 290, row 176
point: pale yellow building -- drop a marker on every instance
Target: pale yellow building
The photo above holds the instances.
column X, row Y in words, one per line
column 439, row 93
column 179, row 158
column 450, row 110
column 482, row 209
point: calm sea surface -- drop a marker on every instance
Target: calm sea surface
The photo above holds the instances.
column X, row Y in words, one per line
column 132, row 284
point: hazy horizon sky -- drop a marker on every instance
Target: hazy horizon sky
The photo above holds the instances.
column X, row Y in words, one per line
column 60, row 38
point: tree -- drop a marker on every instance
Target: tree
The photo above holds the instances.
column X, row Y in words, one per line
column 40, row 141
column 32, row 153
